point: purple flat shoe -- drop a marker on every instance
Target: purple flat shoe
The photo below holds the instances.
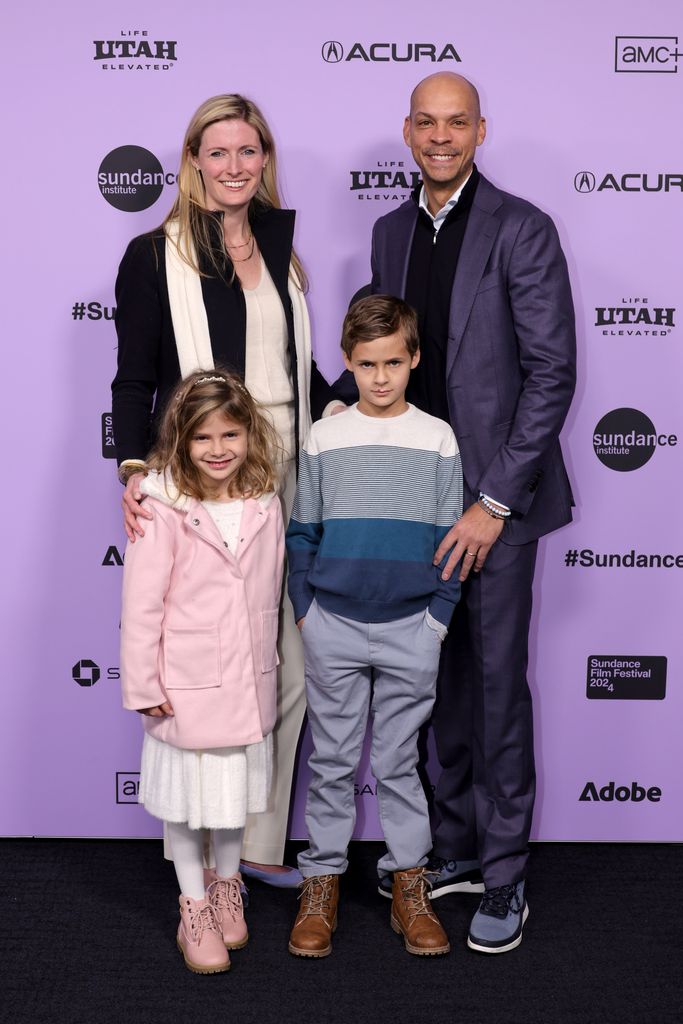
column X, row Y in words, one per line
column 288, row 879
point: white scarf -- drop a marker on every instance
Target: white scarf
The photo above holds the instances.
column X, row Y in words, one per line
column 191, row 327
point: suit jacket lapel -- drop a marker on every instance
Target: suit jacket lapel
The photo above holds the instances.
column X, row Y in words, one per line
column 395, row 271
column 480, row 234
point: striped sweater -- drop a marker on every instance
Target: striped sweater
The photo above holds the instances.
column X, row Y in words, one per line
column 375, row 498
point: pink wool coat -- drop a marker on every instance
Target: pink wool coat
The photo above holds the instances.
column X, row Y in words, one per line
column 199, row 626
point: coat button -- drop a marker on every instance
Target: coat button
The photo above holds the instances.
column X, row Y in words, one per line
column 195, row 522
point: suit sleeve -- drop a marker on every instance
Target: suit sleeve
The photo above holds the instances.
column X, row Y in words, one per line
column 449, row 510
column 146, row 576
column 305, row 530
column 543, row 317
column 321, row 392
column 138, row 328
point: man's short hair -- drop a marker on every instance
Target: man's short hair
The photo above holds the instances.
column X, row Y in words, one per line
column 378, row 316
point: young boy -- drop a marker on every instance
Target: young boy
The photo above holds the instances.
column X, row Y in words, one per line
column 380, row 484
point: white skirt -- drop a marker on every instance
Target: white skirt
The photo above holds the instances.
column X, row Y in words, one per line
column 205, row 788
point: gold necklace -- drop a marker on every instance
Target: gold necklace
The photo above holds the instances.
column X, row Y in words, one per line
column 244, row 258
column 241, row 245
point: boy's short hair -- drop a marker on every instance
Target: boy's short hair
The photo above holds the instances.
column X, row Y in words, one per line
column 378, row 316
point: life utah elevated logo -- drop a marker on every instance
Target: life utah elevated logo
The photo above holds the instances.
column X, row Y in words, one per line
column 135, row 50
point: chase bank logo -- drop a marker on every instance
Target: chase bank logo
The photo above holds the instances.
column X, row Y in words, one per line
column 85, row 672
column 332, row 51
column 584, row 181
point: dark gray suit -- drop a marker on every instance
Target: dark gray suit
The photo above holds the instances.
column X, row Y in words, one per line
column 510, row 380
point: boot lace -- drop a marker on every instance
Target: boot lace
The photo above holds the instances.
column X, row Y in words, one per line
column 415, row 893
column 202, row 919
column 315, row 895
column 226, row 897
column 500, row 901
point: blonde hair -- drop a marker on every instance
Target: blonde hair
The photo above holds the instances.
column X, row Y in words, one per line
column 199, row 395
column 189, row 209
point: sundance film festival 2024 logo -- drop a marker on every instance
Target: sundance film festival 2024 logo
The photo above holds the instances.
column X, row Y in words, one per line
column 334, row 52
column 635, row 317
column 131, row 178
column 625, row 677
column 134, row 50
column 625, row 439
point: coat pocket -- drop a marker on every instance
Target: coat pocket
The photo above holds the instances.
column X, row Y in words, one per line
column 192, row 658
column 269, row 628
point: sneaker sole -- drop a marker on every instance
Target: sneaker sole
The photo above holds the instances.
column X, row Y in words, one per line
column 472, row 887
column 416, row 950
column 500, row 949
column 199, row 969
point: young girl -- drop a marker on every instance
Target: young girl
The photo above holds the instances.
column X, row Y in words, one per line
column 201, row 592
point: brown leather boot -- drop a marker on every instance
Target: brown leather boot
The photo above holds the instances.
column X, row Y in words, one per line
column 317, row 917
column 413, row 917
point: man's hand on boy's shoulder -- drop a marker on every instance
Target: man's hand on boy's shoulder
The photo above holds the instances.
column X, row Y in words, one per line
column 471, row 539
column 332, row 408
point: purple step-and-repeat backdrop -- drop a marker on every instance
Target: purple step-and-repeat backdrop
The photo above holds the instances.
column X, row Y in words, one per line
column 583, row 104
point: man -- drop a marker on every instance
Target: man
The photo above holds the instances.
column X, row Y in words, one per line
column 487, row 275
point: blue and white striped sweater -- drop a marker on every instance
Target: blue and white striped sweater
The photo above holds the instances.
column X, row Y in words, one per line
column 374, row 499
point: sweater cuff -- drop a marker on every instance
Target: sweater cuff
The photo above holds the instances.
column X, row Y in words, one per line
column 441, row 610
column 301, row 600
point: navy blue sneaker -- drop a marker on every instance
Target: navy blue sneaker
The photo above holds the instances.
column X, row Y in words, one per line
column 444, row 876
column 497, row 925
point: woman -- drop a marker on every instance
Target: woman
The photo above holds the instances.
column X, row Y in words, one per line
column 219, row 283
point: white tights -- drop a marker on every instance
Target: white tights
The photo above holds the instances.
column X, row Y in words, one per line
column 187, row 850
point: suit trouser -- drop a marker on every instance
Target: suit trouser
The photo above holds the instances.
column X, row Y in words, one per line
column 483, row 720
column 389, row 669
column 265, row 834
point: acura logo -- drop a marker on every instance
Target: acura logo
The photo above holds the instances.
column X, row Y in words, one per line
column 332, row 51
column 584, row 181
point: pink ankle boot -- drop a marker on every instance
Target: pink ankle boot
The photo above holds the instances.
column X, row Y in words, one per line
column 199, row 937
column 225, row 896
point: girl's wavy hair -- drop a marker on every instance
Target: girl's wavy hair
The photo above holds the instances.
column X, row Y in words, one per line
column 189, row 210
column 199, row 395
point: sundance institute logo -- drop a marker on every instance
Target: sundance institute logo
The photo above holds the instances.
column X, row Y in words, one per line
column 131, row 178
column 625, row 439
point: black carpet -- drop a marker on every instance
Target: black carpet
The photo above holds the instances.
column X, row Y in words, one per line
column 88, row 937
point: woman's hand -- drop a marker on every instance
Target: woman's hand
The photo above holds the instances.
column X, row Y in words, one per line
column 157, row 712
column 133, row 510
